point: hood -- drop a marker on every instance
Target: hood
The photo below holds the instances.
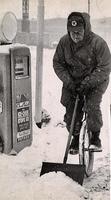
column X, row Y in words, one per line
column 86, row 18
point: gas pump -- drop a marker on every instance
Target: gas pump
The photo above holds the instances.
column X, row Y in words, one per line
column 15, row 97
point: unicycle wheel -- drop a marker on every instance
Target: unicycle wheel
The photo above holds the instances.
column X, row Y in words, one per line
column 86, row 157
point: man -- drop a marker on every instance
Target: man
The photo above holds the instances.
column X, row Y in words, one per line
column 82, row 61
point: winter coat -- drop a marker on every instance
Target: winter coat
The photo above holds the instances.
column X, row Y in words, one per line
column 87, row 62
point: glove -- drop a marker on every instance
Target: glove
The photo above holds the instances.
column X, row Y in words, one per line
column 71, row 86
column 84, row 87
column 81, row 90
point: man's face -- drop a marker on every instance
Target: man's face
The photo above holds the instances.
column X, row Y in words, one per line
column 77, row 36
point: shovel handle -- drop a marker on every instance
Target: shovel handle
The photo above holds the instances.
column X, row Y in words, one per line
column 71, row 129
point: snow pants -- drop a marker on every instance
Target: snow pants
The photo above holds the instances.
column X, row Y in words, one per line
column 94, row 115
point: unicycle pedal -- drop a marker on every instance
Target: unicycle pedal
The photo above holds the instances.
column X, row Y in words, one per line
column 92, row 150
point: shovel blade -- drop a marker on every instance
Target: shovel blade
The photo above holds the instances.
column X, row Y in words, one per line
column 74, row 171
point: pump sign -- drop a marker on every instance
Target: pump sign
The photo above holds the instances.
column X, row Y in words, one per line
column 23, row 120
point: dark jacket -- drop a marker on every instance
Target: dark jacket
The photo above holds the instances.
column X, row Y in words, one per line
column 87, row 62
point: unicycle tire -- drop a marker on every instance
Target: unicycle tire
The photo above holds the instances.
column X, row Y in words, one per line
column 86, row 157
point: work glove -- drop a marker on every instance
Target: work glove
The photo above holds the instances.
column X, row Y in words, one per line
column 81, row 90
column 72, row 87
column 84, row 87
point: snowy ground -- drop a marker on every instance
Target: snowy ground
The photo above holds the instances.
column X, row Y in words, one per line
column 19, row 175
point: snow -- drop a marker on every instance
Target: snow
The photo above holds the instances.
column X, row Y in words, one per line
column 20, row 175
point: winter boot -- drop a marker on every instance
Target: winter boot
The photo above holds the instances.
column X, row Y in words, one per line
column 74, row 147
column 95, row 143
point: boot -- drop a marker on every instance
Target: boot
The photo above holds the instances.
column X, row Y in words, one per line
column 95, row 143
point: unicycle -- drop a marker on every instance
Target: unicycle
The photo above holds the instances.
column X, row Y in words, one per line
column 86, row 157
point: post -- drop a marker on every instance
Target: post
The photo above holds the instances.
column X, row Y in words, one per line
column 25, row 16
column 39, row 63
column 89, row 7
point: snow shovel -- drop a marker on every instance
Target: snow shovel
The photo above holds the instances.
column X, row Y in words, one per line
column 74, row 171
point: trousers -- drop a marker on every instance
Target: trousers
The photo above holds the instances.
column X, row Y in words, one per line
column 92, row 106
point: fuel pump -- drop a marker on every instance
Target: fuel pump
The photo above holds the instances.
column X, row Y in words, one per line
column 15, row 95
